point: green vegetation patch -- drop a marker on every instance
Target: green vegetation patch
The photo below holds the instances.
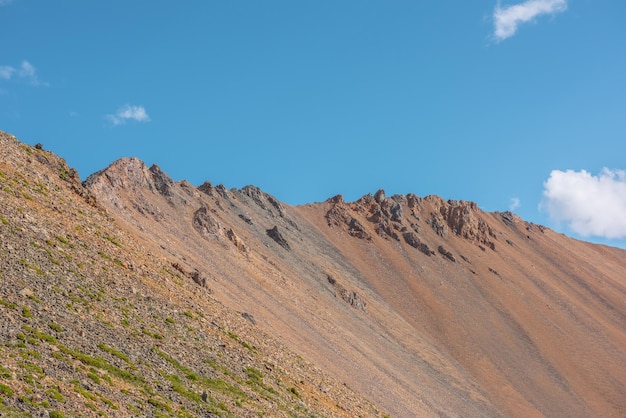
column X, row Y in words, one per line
column 55, row 394
column 102, row 364
column 26, row 313
column 32, row 267
column 56, row 327
column 7, row 304
column 6, row 390
column 38, row 334
column 217, row 385
column 116, row 353
column 5, row 373
column 154, row 335
column 160, row 405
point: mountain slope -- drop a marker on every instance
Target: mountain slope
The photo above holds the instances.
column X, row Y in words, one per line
column 424, row 306
column 95, row 324
column 428, row 307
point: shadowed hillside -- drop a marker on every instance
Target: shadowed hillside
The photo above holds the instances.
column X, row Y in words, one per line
column 193, row 299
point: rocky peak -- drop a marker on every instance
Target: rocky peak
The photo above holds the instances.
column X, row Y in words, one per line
column 264, row 200
column 206, row 188
column 131, row 175
column 465, row 219
column 379, row 196
column 161, row 181
column 399, row 216
column 335, row 200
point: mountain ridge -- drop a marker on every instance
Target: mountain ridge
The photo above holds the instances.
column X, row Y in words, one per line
column 425, row 306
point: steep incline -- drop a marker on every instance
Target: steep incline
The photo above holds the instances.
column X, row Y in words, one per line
column 538, row 319
column 96, row 323
column 260, row 256
column 428, row 307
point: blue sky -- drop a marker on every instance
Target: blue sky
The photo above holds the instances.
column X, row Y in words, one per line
column 512, row 104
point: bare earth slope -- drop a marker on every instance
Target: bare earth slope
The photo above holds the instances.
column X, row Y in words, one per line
column 94, row 323
column 427, row 307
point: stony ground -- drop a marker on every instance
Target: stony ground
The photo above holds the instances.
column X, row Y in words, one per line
column 93, row 324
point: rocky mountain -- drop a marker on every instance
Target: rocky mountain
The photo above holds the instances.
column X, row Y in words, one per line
column 133, row 294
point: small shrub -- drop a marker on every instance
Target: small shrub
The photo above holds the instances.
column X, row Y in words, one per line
column 63, row 240
column 26, row 313
column 154, row 335
column 6, row 390
column 107, row 379
column 55, row 394
column 56, row 327
column 109, row 402
column 254, row 375
column 160, row 405
column 93, row 376
column 5, row 373
column 56, row 414
column 9, row 305
column 114, row 352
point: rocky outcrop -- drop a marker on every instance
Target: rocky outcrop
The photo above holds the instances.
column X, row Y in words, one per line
column 207, row 188
column 264, row 200
column 206, row 224
column 350, row 297
column 340, row 214
column 447, row 254
column 388, row 220
column 237, row 242
column 413, row 240
column 464, row 220
column 161, row 181
column 193, row 275
column 275, row 234
column 461, row 218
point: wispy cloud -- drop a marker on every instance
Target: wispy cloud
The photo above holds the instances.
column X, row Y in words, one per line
column 590, row 205
column 514, row 203
column 26, row 71
column 507, row 19
column 6, row 72
column 5, row 2
column 128, row 112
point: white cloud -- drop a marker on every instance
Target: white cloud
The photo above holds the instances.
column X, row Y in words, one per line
column 514, row 204
column 6, row 72
column 590, row 205
column 508, row 19
column 26, row 71
column 128, row 112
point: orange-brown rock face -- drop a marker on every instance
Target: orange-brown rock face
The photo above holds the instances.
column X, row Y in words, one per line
column 424, row 306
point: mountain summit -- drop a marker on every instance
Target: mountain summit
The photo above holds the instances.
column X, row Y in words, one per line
column 401, row 305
